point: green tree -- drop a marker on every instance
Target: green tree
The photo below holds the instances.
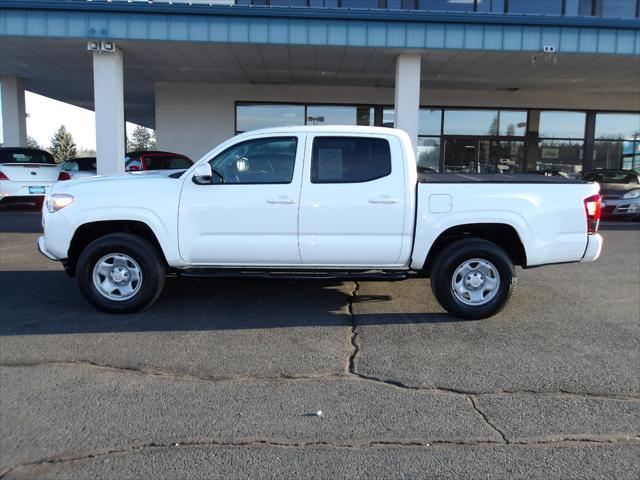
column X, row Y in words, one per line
column 142, row 139
column 32, row 142
column 62, row 145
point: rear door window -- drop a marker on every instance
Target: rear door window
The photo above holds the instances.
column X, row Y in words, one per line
column 349, row 159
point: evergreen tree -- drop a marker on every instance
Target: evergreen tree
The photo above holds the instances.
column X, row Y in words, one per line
column 494, row 128
column 62, row 145
column 32, row 142
column 142, row 139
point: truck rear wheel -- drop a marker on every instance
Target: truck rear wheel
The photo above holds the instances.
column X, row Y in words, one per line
column 473, row 278
column 120, row 273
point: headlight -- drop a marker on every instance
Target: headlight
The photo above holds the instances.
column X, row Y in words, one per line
column 57, row 201
column 635, row 193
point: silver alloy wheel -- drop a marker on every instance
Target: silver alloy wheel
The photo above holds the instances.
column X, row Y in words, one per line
column 475, row 282
column 117, row 276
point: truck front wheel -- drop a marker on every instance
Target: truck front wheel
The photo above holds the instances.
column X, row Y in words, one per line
column 120, row 273
column 473, row 278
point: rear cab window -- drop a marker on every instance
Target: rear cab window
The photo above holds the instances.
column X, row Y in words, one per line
column 349, row 159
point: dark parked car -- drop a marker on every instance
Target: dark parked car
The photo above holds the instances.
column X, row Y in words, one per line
column 80, row 167
column 143, row 161
column 620, row 190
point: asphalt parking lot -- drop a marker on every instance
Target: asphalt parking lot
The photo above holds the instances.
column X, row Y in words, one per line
column 223, row 379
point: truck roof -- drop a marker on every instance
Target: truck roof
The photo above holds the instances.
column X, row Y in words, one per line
column 331, row 129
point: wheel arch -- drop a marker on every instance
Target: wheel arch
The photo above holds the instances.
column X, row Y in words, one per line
column 501, row 234
column 91, row 231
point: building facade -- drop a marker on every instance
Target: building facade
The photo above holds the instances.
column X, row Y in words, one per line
column 498, row 86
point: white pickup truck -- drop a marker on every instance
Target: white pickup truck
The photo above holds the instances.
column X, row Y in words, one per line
column 317, row 202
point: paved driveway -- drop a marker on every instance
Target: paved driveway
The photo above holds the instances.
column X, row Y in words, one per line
column 222, row 379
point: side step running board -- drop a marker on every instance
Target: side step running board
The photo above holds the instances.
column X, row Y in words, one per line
column 387, row 275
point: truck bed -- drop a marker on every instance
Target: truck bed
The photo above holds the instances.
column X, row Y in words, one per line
column 491, row 178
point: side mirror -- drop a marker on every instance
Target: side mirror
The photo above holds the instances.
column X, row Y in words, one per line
column 202, row 174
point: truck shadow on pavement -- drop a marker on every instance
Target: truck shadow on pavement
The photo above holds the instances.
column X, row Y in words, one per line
column 48, row 302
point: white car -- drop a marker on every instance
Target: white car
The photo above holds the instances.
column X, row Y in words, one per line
column 27, row 175
column 318, row 202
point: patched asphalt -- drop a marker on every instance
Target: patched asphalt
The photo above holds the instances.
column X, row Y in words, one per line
column 223, row 379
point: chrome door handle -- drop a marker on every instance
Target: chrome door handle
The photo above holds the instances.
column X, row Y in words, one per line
column 282, row 200
column 383, row 199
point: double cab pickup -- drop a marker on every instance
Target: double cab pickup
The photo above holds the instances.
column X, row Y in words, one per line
column 317, row 202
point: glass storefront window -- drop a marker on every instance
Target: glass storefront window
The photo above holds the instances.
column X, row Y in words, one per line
column 513, row 123
column 323, row 3
column 401, row 4
column 615, row 8
column 618, row 125
column 575, row 8
column 491, row 6
column 485, row 122
column 360, row 4
column 339, row 115
column 255, row 116
column 430, row 121
column 447, row 5
column 537, row 7
column 615, row 155
column 558, row 157
column 471, row 122
column 428, row 155
column 388, row 117
column 501, row 156
column 562, row 124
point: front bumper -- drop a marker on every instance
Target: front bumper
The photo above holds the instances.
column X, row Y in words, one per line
column 43, row 250
column 594, row 248
column 621, row 207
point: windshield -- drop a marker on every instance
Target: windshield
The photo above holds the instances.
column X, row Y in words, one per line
column 25, row 156
column 80, row 165
column 612, row 177
column 166, row 162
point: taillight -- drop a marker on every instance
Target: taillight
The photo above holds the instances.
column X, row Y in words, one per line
column 64, row 176
column 593, row 207
column 3, row 176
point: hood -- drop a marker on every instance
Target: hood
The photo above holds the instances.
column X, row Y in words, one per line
column 616, row 189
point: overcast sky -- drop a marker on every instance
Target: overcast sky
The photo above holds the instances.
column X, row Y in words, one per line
column 45, row 115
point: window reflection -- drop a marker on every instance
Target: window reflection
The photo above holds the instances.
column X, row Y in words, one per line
column 615, row 8
column 558, row 157
column 562, row 124
column 538, row 7
column 447, row 5
column 618, row 125
column 430, row 121
column 428, row 154
column 491, row 6
column 339, row 115
column 253, row 117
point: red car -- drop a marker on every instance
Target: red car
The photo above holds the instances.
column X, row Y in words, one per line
column 142, row 161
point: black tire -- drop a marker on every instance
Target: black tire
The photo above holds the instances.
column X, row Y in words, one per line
column 137, row 248
column 453, row 256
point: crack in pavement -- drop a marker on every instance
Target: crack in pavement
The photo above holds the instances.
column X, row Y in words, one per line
column 349, row 373
column 129, row 449
column 492, row 426
column 351, row 362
